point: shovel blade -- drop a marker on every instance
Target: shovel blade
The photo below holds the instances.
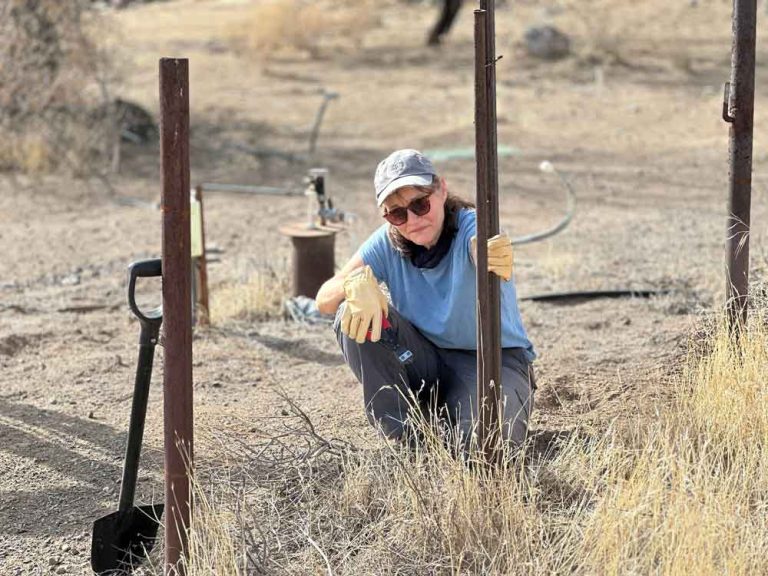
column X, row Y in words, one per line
column 121, row 540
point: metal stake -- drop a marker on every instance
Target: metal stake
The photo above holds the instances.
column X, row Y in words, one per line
column 738, row 110
column 201, row 271
column 488, row 289
column 177, row 313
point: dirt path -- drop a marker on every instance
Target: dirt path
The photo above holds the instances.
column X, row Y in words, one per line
column 642, row 145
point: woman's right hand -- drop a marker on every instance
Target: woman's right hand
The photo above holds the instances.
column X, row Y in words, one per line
column 331, row 293
column 366, row 305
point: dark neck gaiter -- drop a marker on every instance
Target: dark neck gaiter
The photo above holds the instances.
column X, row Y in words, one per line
column 423, row 257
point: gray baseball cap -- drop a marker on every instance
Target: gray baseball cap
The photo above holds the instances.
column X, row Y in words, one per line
column 402, row 168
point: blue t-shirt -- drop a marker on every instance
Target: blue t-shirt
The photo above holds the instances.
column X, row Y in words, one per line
column 441, row 301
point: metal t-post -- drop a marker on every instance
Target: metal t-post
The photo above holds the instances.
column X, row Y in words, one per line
column 488, row 289
column 738, row 109
column 177, row 313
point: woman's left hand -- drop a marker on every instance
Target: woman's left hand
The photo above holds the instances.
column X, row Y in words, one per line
column 500, row 258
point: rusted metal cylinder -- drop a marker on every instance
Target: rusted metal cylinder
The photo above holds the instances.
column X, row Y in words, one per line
column 313, row 256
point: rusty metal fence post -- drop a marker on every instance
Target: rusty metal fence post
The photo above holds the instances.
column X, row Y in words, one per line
column 488, row 289
column 738, row 110
column 177, row 313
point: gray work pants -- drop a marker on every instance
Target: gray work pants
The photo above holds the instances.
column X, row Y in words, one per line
column 439, row 381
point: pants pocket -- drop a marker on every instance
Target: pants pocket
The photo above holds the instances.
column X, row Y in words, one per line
column 532, row 377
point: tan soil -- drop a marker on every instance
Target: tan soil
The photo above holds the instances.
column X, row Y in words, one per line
column 632, row 119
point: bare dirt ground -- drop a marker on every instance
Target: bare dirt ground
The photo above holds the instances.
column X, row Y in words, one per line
column 632, row 119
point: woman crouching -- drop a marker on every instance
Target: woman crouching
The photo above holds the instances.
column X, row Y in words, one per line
column 425, row 255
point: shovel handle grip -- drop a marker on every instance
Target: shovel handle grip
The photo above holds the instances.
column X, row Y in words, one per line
column 151, row 268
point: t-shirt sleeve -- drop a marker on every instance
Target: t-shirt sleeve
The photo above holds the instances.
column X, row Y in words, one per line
column 374, row 253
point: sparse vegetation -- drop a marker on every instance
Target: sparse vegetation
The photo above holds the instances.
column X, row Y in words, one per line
column 259, row 295
column 55, row 95
column 683, row 493
column 297, row 26
column 613, row 33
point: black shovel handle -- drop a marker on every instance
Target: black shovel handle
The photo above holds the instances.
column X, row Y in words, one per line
column 151, row 268
column 150, row 330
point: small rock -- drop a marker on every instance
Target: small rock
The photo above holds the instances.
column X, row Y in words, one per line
column 65, row 547
column 62, row 570
column 547, row 43
column 91, row 415
column 54, row 561
column 71, row 280
column 217, row 384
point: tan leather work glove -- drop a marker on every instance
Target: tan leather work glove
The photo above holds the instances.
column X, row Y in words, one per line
column 365, row 304
column 500, row 259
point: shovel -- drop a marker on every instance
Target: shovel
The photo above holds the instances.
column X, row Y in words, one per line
column 122, row 539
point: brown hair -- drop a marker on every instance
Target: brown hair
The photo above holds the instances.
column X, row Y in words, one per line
column 453, row 204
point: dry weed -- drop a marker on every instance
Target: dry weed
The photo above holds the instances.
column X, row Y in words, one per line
column 683, row 493
column 289, row 26
column 695, row 497
column 55, row 92
column 611, row 32
column 259, row 296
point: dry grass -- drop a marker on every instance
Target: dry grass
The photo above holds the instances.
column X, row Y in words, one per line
column 28, row 153
column 684, row 493
column 258, row 297
column 290, row 26
column 611, row 32
column 56, row 89
column 694, row 500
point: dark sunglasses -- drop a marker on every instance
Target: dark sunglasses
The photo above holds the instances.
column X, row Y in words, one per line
column 399, row 216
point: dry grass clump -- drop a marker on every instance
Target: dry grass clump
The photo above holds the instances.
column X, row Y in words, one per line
column 611, row 32
column 214, row 547
column 29, row 153
column 685, row 493
column 54, row 96
column 280, row 27
column 295, row 502
column 695, row 498
column 258, row 296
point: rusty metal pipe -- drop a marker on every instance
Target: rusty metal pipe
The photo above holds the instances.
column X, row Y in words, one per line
column 739, row 111
column 488, row 289
column 177, row 312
